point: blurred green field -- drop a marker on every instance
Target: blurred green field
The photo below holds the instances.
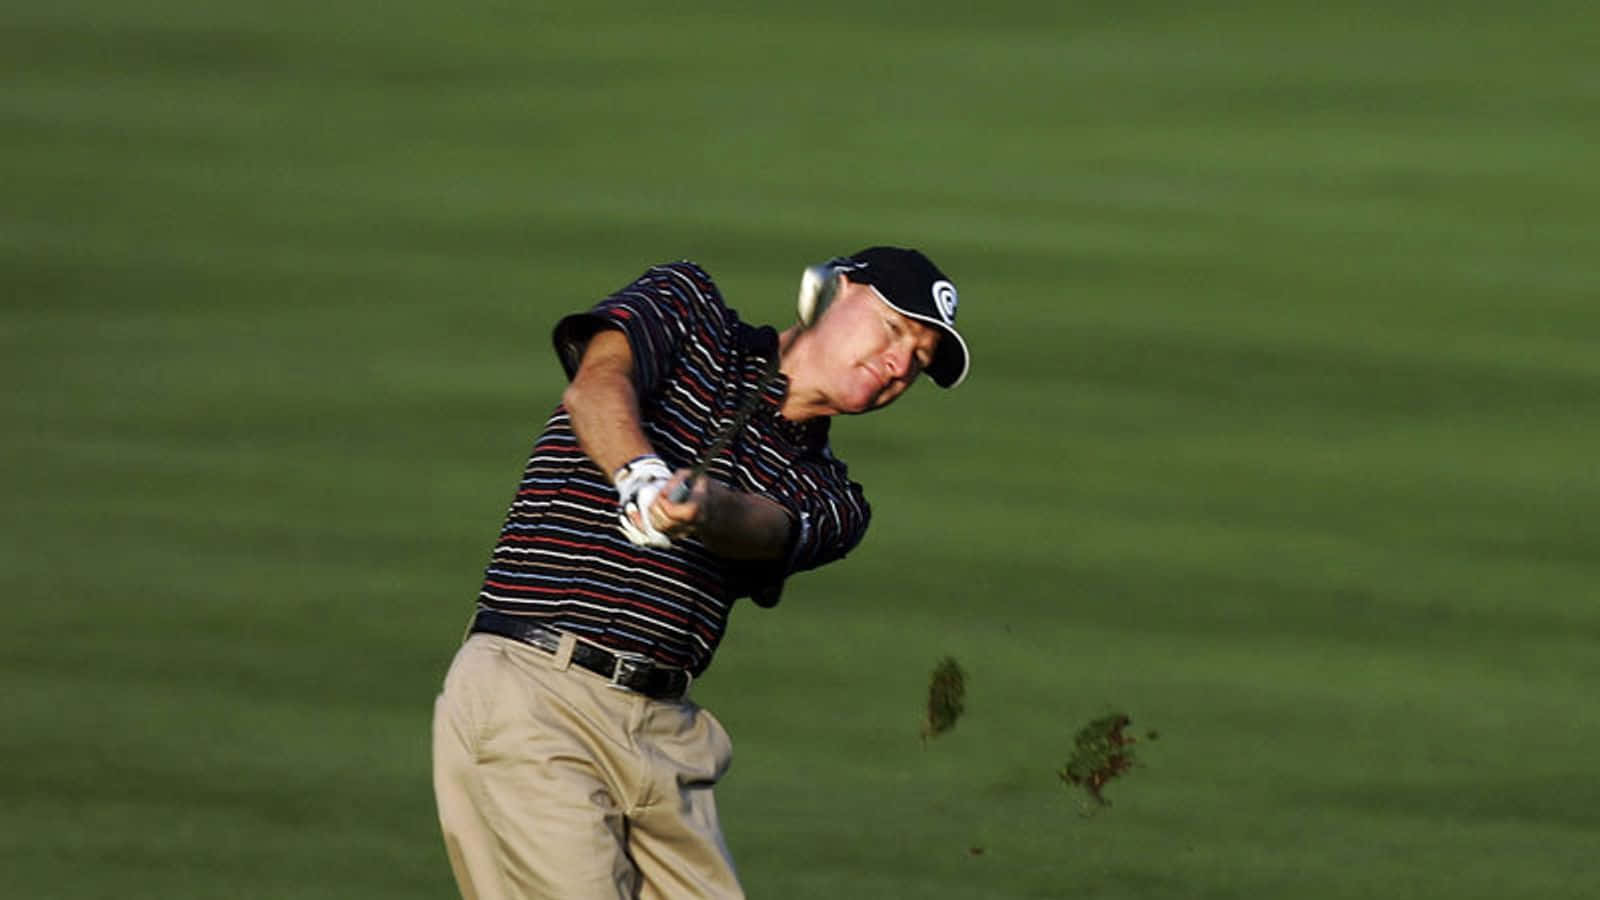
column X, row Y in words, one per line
column 1281, row 433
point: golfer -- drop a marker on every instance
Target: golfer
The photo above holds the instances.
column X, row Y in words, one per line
column 569, row 760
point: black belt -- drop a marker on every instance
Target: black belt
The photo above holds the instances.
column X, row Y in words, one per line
column 631, row 671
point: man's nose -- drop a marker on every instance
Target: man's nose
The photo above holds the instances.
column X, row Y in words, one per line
column 898, row 361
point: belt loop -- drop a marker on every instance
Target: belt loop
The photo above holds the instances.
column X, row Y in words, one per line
column 563, row 657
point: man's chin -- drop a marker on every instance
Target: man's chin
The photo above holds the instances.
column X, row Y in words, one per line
column 858, row 407
column 877, row 402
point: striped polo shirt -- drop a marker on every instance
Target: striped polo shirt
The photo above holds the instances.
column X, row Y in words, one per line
column 562, row 560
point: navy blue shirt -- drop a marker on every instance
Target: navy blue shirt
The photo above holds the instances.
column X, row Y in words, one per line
column 562, row 560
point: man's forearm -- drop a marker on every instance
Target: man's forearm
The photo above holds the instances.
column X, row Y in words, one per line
column 742, row 525
column 604, row 408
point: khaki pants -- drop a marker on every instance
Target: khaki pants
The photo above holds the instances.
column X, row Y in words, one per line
column 552, row 784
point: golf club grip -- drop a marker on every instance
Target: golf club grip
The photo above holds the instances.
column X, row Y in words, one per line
column 681, row 492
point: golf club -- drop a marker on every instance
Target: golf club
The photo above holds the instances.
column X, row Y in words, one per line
column 818, row 285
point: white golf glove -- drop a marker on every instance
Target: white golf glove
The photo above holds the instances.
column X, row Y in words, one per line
column 638, row 484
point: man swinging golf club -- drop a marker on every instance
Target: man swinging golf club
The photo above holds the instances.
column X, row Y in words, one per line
column 687, row 465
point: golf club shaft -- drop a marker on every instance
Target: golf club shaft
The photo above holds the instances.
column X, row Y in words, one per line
column 741, row 417
column 817, row 288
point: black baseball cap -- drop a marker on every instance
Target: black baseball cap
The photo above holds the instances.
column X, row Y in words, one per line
column 910, row 282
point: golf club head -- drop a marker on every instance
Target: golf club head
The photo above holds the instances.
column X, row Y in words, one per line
column 818, row 285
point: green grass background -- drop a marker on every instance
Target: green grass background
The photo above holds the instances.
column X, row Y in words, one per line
column 1281, row 433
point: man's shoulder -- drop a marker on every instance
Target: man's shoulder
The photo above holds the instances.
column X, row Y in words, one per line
column 688, row 289
column 686, row 275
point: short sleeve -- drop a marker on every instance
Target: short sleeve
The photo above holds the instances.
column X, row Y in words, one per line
column 658, row 312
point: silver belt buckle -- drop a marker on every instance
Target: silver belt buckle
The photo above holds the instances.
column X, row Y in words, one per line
column 629, row 665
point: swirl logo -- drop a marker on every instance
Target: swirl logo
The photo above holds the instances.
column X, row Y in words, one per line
column 944, row 299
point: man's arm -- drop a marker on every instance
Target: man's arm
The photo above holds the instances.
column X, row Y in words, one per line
column 603, row 404
column 730, row 522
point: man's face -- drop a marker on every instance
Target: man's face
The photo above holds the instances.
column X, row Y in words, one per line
column 872, row 353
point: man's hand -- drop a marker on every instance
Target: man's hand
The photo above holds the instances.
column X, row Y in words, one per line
column 639, row 483
column 675, row 517
column 730, row 523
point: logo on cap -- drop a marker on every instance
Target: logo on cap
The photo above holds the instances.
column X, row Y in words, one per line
column 944, row 299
